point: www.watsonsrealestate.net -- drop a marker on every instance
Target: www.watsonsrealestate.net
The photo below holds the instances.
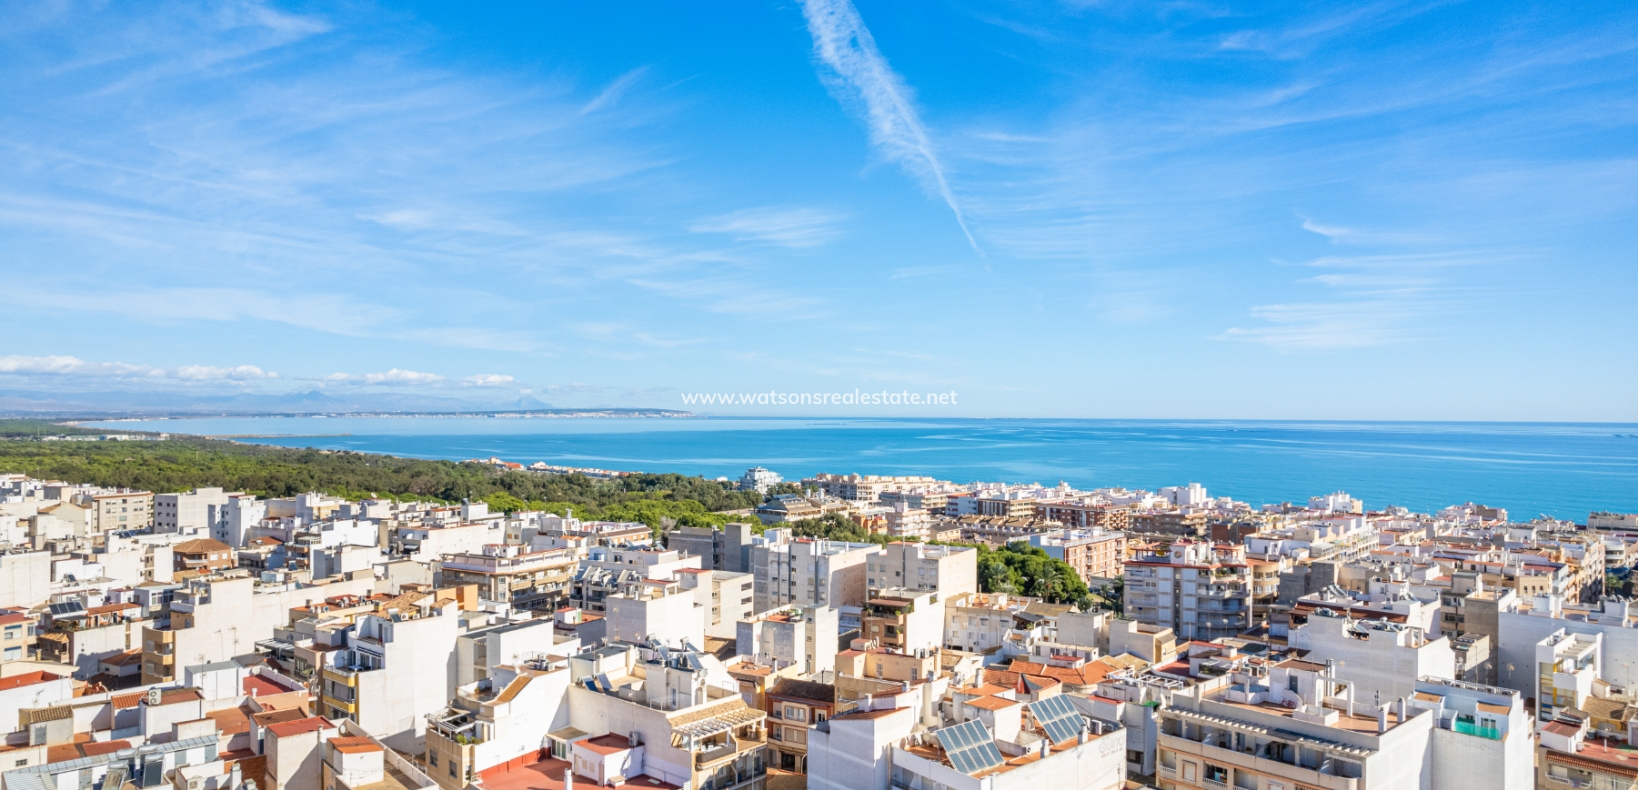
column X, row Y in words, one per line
column 855, row 398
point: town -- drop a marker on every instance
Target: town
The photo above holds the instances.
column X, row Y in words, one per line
column 216, row 640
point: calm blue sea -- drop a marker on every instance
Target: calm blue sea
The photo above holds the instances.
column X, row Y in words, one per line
column 1564, row 470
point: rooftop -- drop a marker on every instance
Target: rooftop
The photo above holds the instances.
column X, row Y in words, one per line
column 1356, row 723
column 1600, row 754
column 547, row 774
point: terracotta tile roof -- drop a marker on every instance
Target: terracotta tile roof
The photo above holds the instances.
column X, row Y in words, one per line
column 354, row 744
column 299, row 726
column 27, row 679
column 271, row 717
column 63, row 752
column 104, row 747
column 230, row 721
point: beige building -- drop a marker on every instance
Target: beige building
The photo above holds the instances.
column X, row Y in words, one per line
column 948, row 570
column 119, row 510
column 527, row 580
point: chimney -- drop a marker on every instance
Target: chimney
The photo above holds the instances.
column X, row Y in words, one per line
column 568, row 778
column 1381, row 719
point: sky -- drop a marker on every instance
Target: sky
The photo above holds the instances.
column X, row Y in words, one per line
column 1388, row 210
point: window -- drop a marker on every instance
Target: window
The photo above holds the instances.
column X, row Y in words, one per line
column 1216, row 773
column 452, row 769
column 796, row 713
column 432, row 758
column 1188, row 771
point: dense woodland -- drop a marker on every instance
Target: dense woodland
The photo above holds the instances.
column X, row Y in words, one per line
column 182, row 463
column 659, row 500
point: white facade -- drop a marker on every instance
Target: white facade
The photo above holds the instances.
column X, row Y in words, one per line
column 810, row 573
column 947, row 570
column 661, row 611
column 852, row 751
column 804, row 637
column 187, row 513
column 1381, row 657
column 1482, row 738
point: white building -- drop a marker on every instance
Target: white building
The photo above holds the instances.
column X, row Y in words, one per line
column 806, row 572
column 187, row 513
column 803, row 637
column 1382, row 657
column 1565, row 668
column 1482, row 737
column 394, row 672
column 947, row 570
column 759, row 480
column 728, row 598
column 656, row 609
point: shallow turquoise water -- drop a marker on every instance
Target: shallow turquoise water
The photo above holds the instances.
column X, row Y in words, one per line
column 1565, row 470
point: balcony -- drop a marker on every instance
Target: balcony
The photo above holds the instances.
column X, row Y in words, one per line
column 1323, row 776
column 455, row 725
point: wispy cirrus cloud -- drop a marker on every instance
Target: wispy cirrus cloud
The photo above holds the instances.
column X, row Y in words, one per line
column 786, row 227
column 860, row 74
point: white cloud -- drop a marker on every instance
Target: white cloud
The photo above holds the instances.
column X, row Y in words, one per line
column 213, row 373
column 74, row 366
column 798, row 227
column 394, row 376
column 488, row 380
column 843, row 43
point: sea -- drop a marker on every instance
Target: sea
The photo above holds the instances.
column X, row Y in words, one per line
column 1557, row 469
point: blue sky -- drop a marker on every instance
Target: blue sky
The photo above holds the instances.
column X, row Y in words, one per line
column 1115, row 209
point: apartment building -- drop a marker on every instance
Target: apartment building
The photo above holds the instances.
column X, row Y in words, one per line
column 189, row 512
column 1094, row 554
column 977, row 622
column 726, row 549
column 117, row 510
column 202, row 556
column 1569, row 757
column 793, row 706
column 1382, row 657
column 536, row 580
column 656, row 610
column 1044, row 742
column 1282, row 734
column 1086, row 515
column 216, row 618
column 395, row 669
column 496, row 721
column 1566, row 667
column 1198, row 590
column 800, row 637
column 865, row 488
column 806, row 572
column 1292, row 730
column 1608, row 520
column 608, row 570
column 904, row 620
column 658, row 719
column 949, row 570
column 728, row 598
column 17, row 636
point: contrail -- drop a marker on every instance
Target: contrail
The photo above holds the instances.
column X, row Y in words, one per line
column 843, row 43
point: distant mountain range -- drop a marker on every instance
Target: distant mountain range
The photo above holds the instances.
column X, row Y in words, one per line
column 23, row 403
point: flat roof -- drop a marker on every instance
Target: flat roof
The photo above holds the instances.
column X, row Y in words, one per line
column 547, row 774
